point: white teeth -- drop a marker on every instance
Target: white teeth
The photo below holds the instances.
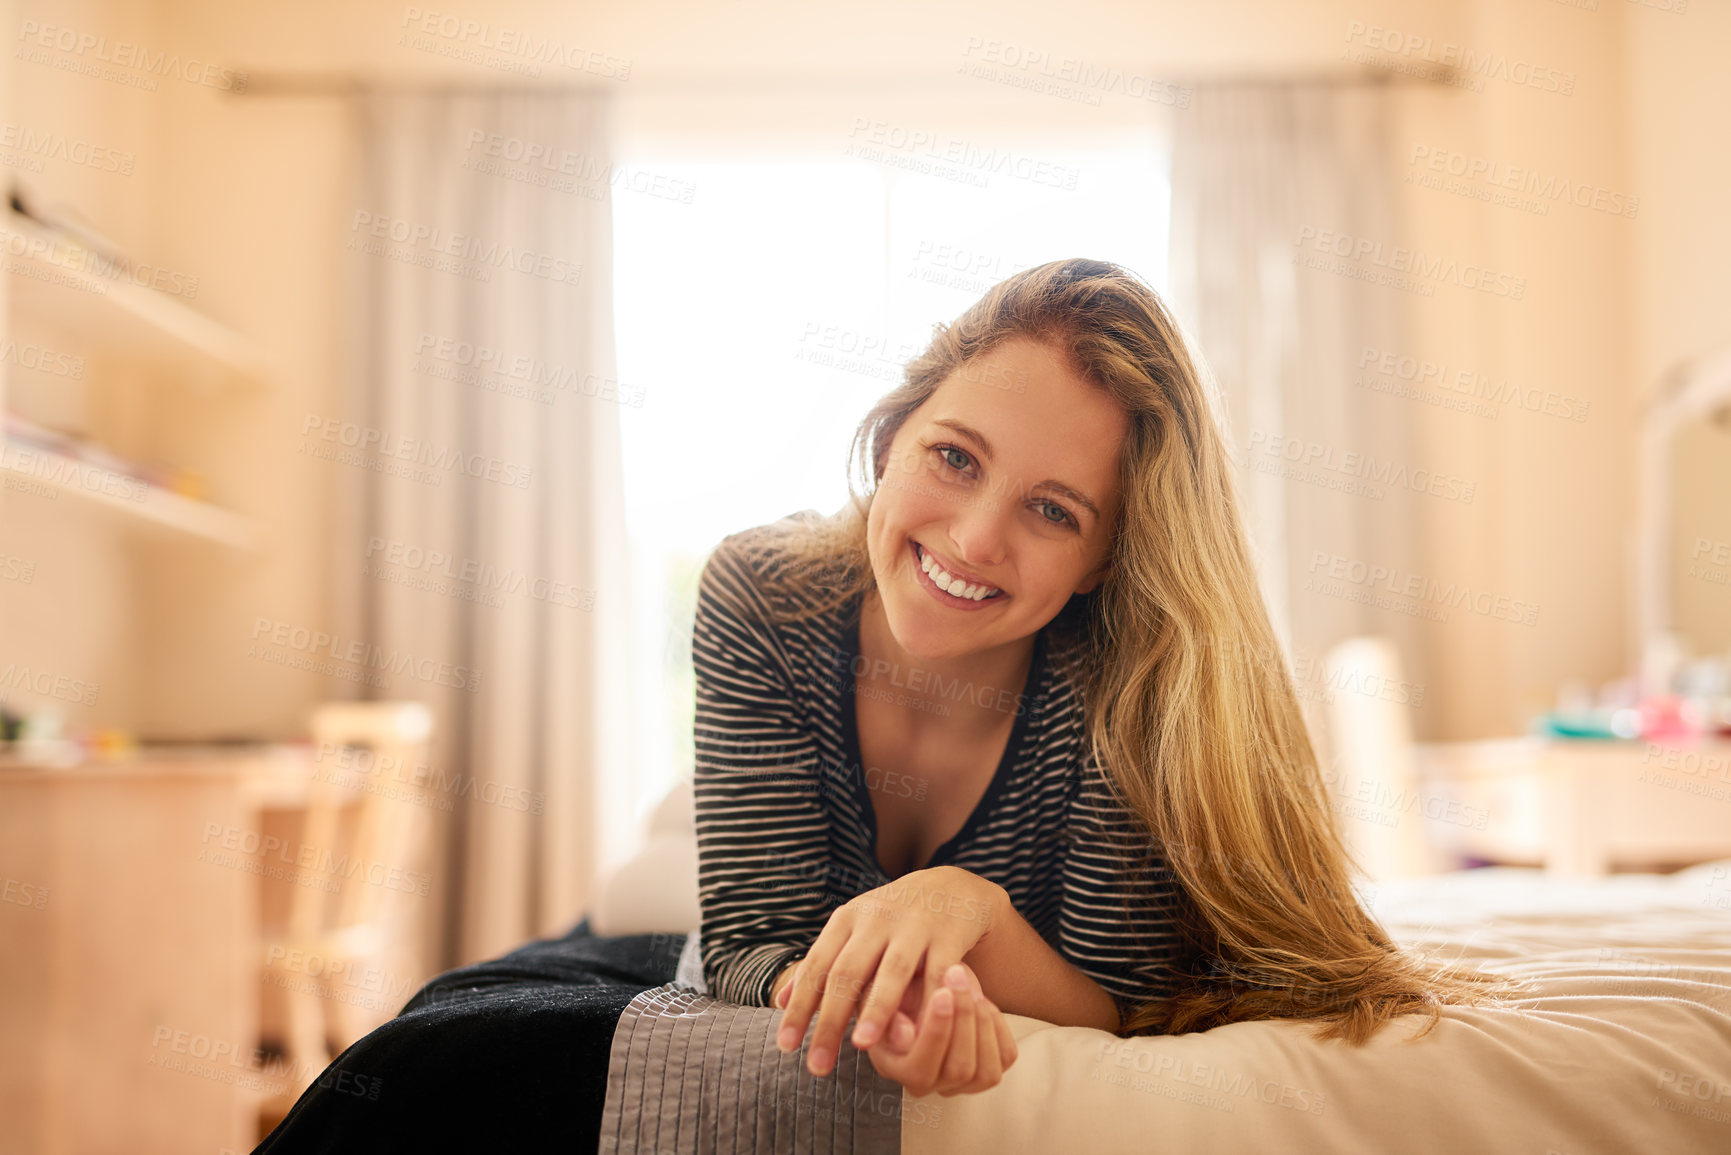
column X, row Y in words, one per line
column 953, row 586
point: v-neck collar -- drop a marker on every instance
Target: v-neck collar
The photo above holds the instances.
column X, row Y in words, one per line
column 1030, row 699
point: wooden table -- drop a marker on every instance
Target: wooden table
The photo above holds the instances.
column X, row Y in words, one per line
column 1581, row 807
column 129, row 950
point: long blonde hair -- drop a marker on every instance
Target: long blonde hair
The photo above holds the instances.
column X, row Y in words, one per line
column 1190, row 706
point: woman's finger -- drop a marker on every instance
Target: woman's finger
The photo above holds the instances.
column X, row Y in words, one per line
column 988, row 1062
column 894, row 1057
column 894, row 971
column 843, row 987
column 957, row 1070
column 808, row 981
column 1007, row 1049
column 931, row 1041
column 795, row 1011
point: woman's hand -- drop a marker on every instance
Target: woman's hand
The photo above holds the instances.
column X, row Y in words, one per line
column 962, row 1044
column 917, row 926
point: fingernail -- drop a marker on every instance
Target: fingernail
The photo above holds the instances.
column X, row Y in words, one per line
column 942, row 1003
column 788, row 1039
column 904, row 1034
column 865, row 1034
column 956, row 977
column 820, row 1060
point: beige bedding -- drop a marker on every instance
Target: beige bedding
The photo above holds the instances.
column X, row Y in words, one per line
column 1622, row 1045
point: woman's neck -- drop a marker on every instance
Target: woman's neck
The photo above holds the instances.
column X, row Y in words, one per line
column 974, row 691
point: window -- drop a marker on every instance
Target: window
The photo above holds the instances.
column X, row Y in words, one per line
column 767, row 314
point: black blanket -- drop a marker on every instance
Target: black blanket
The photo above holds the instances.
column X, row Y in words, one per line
column 563, row 1041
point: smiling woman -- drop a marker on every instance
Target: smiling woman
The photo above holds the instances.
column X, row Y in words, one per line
column 1151, row 837
column 881, row 253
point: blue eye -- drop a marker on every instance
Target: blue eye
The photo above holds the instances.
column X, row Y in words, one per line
column 1060, row 509
column 945, row 450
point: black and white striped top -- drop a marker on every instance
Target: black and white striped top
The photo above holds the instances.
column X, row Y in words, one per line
column 786, row 831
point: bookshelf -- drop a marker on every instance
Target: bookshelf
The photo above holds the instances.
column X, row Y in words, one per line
column 139, row 505
column 60, row 286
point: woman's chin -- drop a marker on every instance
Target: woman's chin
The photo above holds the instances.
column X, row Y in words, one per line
column 934, row 641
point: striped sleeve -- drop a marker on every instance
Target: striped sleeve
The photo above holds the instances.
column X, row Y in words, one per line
column 762, row 834
column 1118, row 919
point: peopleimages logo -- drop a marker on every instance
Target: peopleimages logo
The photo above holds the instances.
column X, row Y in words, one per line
column 64, row 473
column 356, row 652
column 839, row 666
column 388, row 445
column 535, row 372
column 88, row 46
column 870, row 138
column 48, row 684
column 96, row 268
column 1495, row 176
column 553, row 160
column 1354, row 467
column 1087, row 77
column 1228, row 1085
column 1419, row 372
column 1708, row 559
column 40, row 146
column 459, row 37
column 1414, row 594
column 1403, row 261
column 1478, row 65
column 469, row 571
column 429, row 241
column 41, row 359
column 305, row 857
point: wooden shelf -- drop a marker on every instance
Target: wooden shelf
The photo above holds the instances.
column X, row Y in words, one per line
column 147, row 506
column 53, row 286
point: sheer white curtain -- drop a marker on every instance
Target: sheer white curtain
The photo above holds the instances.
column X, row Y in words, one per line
column 1253, row 167
column 507, row 567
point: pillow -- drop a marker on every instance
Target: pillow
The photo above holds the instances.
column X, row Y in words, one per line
column 655, row 890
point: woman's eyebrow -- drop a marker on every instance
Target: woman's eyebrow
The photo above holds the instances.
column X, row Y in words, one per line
column 979, row 439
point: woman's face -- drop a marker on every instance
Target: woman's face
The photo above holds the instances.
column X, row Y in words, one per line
column 1007, row 475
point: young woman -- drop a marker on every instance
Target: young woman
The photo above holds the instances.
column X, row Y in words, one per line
column 1009, row 733
column 1012, row 727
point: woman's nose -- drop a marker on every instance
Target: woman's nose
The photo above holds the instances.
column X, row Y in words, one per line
column 979, row 538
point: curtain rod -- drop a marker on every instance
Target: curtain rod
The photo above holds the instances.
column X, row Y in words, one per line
column 354, row 83
column 351, row 82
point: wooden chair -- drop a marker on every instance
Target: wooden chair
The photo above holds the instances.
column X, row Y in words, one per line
column 1376, row 780
column 353, row 906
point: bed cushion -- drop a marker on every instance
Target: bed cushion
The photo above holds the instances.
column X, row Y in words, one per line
column 655, row 890
column 1623, row 1044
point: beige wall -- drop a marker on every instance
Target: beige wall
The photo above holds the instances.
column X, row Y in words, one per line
column 247, row 193
column 1547, row 524
column 1680, row 90
column 77, row 618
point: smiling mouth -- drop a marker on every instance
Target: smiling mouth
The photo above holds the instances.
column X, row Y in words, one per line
column 951, row 586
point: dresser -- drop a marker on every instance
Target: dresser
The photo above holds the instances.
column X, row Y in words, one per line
column 131, row 899
column 1579, row 807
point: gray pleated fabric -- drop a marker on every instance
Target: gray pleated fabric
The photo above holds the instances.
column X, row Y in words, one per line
column 689, row 1075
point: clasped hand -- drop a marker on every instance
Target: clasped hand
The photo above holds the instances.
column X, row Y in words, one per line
column 896, row 953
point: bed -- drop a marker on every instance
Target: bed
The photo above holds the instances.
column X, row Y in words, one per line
column 1621, row 1042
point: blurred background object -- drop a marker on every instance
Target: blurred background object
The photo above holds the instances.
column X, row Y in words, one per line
column 415, row 359
column 358, row 941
